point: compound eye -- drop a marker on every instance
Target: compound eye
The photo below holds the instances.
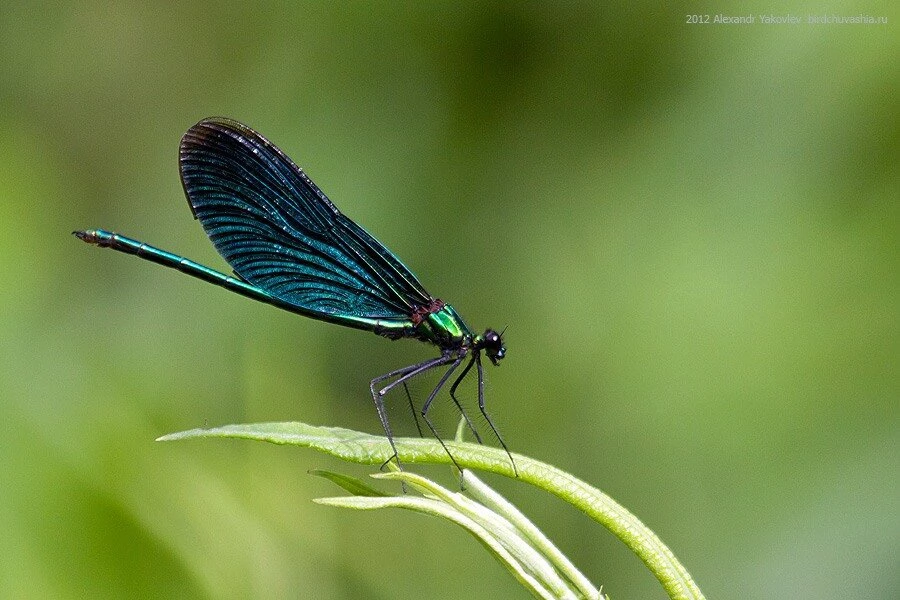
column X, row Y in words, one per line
column 492, row 339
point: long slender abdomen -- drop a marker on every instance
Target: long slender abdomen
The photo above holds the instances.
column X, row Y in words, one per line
column 108, row 239
column 392, row 328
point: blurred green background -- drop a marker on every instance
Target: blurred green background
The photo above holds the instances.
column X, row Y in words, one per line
column 691, row 232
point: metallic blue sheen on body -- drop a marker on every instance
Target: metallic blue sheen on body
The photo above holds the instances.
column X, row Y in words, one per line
column 108, row 239
column 280, row 233
column 292, row 248
column 287, row 243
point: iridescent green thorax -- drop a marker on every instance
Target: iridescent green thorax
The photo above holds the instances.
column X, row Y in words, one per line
column 290, row 247
column 441, row 325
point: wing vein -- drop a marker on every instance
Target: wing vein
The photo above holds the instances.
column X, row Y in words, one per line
column 279, row 232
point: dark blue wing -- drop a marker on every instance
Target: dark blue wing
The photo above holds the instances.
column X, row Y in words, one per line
column 279, row 232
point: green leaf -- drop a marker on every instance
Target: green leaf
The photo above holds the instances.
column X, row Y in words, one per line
column 437, row 508
column 507, row 534
column 369, row 449
column 481, row 492
column 353, row 485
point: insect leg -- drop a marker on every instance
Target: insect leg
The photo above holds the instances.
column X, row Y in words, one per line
column 404, row 374
column 427, row 405
column 411, row 371
column 484, row 412
column 412, row 408
column 458, row 405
